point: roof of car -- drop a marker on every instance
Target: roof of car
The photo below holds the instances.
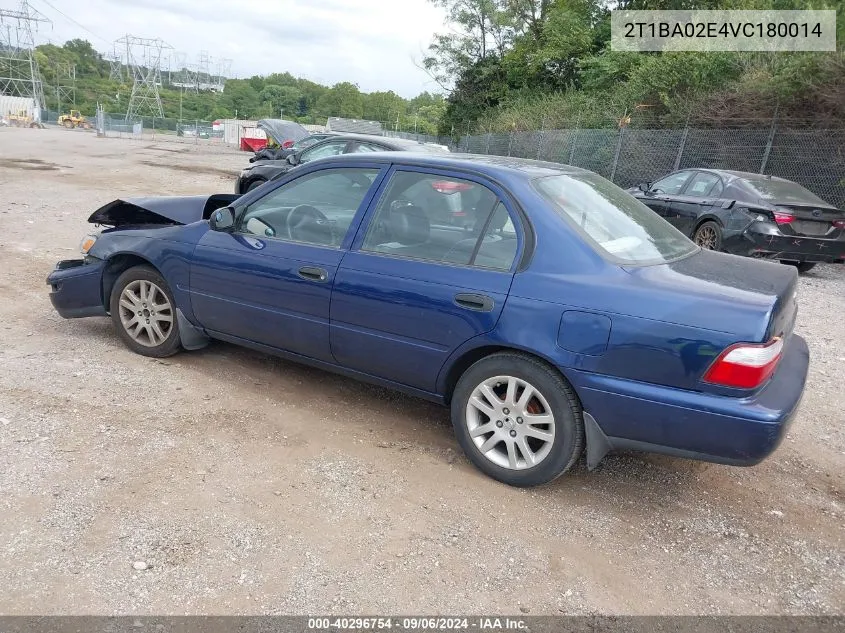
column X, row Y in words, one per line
column 743, row 175
column 479, row 162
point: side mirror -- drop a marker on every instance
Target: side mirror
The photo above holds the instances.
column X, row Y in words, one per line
column 291, row 159
column 644, row 186
column 222, row 219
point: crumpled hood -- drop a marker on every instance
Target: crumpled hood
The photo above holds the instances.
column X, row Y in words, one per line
column 160, row 209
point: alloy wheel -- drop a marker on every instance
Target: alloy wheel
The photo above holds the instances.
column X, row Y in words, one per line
column 510, row 422
column 706, row 237
column 145, row 313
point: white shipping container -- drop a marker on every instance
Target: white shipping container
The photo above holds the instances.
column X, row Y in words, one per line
column 14, row 105
column 236, row 129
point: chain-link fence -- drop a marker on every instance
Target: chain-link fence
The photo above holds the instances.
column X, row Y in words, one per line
column 627, row 156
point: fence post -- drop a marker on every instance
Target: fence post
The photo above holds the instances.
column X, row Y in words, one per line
column 681, row 147
column 487, row 149
column 616, row 154
column 768, row 149
column 540, row 138
column 574, row 140
column 510, row 142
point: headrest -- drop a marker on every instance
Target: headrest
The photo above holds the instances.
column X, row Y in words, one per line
column 409, row 225
column 497, row 222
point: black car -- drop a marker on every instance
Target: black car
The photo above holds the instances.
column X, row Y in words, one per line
column 260, row 172
column 749, row 214
column 280, row 153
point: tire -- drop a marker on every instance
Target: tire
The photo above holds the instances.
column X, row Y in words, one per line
column 709, row 236
column 148, row 287
column 255, row 184
column 563, row 440
column 68, row 124
column 802, row 267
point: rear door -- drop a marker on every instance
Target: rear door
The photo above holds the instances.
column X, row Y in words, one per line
column 414, row 287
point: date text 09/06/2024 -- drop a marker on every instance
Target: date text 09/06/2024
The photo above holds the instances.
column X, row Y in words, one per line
column 492, row 623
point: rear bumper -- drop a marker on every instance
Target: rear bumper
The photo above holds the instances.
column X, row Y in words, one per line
column 737, row 431
column 76, row 288
column 765, row 240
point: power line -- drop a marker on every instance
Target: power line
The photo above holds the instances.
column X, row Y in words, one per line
column 70, row 19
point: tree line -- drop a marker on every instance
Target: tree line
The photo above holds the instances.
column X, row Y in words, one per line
column 539, row 64
column 278, row 95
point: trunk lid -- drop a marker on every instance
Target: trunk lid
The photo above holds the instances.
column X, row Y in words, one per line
column 751, row 299
column 165, row 210
column 812, row 220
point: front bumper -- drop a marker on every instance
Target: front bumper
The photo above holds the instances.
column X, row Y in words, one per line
column 76, row 288
column 765, row 240
column 738, row 431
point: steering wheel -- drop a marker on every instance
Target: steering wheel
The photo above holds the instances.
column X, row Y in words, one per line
column 304, row 215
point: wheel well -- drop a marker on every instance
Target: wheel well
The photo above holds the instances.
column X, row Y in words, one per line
column 474, row 355
column 115, row 266
column 708, row 218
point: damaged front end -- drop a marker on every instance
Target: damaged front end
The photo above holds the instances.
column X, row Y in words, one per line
column 77, row 285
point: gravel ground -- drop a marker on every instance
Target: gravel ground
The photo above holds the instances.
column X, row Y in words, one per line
column 227, row 481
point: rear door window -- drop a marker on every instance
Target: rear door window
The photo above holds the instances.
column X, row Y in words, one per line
column 442, row 219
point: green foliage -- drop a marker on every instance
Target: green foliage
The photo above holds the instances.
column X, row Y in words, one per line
column 252, row 98
column 551, row 65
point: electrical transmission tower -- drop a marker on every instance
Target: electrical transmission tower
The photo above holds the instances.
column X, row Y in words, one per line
column 115, row 66
column 65, row 76
column 223, row 70
column 143, row 56
column 19, row 74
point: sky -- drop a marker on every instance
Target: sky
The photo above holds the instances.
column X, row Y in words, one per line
column 373, row 43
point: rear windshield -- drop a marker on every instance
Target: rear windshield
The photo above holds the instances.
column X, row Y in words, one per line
column 619, row 226
column 783, row 192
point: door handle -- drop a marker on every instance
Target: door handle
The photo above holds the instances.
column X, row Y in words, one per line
column 479, row 303
column 312, row 273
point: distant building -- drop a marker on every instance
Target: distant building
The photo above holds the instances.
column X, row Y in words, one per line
column 354, row 126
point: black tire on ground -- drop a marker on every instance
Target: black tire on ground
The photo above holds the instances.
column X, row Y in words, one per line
column 802, row 267
column 68, row 124
column 568, row 440
column 172, row 343
column 255, row 184
column 709, row 236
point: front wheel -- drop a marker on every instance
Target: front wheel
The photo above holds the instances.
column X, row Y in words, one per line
column 255, row 184
column 517, row 419
column 144, row 313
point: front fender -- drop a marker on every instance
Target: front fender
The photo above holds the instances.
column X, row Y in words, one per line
column 167, row 249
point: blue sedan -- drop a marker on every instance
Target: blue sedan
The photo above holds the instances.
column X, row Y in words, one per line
column 552, row 311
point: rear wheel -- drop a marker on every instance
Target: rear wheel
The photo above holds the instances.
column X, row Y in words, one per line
column 144, row 313
column 68, row 124
column 517, row 419
column 709, row 236
column 802, row 267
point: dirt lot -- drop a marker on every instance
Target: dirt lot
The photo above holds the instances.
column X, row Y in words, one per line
column 247, row 484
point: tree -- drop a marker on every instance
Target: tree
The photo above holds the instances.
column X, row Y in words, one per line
column 281, row 100
column 343, row 100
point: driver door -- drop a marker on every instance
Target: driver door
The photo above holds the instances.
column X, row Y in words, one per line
column 270, row 280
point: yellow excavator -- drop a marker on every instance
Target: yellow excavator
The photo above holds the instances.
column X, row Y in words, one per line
column 21, row 119
column 74, row 119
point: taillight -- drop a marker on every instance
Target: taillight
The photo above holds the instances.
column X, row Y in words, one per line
column 839, row 224
column 745, row 365
column 450, row 186
column 783, row 218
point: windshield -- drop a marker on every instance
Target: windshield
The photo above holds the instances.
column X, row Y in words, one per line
column 619, row 226
column 784, row 192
